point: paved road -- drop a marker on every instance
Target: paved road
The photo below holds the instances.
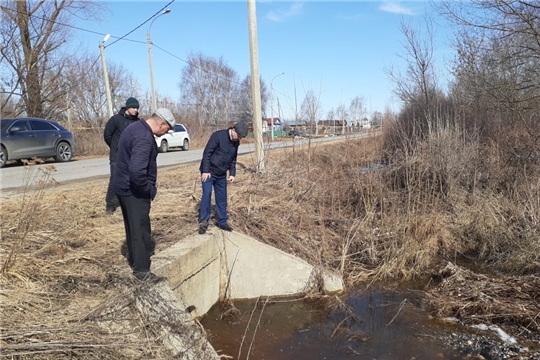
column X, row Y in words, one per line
column 13, row 176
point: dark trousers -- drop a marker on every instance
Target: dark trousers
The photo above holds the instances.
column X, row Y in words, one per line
column 220, row 190
column 111, row 202
column 136, row 213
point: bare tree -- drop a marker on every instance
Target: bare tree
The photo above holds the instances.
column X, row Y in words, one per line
column 33, row 34
column 498, row 75
column 124, row 85
column 9, row 105
column 497, row 65
column 83, row 83
column 292, row 103
column 418, row 87
column 209, row 84
column 243, row 101
column 356, row 109
column 343, row 116
column 419, row 78
column 331, row 114
column 310, row 110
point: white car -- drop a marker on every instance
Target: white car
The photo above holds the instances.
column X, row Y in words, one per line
column 178, row 138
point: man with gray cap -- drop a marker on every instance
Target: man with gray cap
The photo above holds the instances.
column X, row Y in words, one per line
column 134, row 183
column 219, row 156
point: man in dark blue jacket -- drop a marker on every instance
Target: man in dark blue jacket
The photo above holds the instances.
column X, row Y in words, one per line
column 113, row 129
column 134, row 183
column 219, row 156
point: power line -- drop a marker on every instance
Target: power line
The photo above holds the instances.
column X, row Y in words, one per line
column 91, row 31
column 137, row 41
column 195, row 66
column 123, row 37
column 147, row 20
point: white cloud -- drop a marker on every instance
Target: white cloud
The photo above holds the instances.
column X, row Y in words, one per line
column 395, row 8
column 283, row 15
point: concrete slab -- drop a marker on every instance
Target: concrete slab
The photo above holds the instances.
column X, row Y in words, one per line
column 255, row 269
column 193, row 268
column 218, row 265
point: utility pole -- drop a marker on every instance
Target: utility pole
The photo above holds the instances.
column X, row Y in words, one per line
column 150, row 64
column 255, row 85
column 106, row 75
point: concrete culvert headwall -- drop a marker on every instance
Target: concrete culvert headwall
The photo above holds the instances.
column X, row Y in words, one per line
column 204, row 269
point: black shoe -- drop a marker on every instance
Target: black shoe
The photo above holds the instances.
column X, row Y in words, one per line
column 225, row 227
column 148, row 277
column 203, row 226
column 110, row 211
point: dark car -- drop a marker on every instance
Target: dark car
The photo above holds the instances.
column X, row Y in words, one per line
column 27, row 137
column 294, row 133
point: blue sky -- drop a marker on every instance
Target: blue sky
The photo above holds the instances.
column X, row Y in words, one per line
column 336, row 49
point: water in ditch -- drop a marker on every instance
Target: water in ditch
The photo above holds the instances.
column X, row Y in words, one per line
column 369, row 324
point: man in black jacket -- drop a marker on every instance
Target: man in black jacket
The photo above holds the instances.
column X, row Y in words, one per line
column 134, row 183
column 113, row 129
column 219, row 156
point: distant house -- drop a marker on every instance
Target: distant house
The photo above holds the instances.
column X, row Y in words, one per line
column 267, row 124
column 365, row 123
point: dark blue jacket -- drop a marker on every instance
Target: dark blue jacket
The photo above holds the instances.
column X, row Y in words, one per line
column 220, row 155
column 114, row 128
column 136, row 166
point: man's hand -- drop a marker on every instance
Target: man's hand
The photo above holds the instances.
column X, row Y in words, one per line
column 231, row 179
column 205, row 176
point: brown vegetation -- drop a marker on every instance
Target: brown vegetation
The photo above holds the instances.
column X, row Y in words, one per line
column 511, row 302
column 456, row 174
column 67, row 291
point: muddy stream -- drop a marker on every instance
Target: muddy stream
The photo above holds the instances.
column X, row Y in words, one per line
column 378, row 323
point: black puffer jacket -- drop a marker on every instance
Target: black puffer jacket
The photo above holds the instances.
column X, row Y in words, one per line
column 220, row 155
column 114, row 128
column 136, row 168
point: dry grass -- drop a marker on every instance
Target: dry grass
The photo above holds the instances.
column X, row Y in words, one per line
column 510, row 302
column 67, row 292
column 66, row 281
column 90, row 142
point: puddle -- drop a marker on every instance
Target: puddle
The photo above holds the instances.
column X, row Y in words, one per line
column 372, row 324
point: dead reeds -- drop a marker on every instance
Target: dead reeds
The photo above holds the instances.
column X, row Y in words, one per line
column 510, row 302
column 66, row 289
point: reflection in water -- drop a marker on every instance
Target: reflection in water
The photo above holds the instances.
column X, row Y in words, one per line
column 372, row 324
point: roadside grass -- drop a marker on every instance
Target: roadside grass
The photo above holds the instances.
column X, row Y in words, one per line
column 68, row 292
column 90, row 142
column 351, row 206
